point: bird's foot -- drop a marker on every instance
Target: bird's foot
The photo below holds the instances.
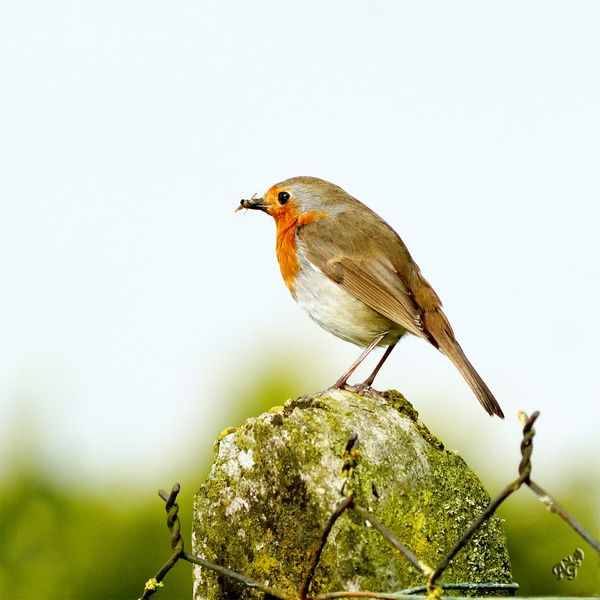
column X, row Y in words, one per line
column 359, row 388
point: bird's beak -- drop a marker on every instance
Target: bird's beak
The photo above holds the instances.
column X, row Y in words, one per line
column 254, row 204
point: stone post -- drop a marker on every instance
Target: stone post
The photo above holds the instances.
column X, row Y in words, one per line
column 276, row 480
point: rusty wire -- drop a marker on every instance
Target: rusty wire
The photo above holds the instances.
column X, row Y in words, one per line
column 316, row 555
column 432, row 587
column 172, row 508
column 174, row 525
column 524, row 474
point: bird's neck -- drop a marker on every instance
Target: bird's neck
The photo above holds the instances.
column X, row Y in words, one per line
column 288, row 222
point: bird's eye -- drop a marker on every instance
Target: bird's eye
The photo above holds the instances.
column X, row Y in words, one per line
column 283, row 197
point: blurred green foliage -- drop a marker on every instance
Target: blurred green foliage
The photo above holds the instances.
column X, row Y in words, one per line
column 61, row 542
column 68, row 543
column 538, row 540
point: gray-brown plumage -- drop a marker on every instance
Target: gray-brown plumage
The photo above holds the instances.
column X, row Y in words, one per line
column 355, row 276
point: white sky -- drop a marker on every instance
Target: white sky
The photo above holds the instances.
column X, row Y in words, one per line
column 132, row 297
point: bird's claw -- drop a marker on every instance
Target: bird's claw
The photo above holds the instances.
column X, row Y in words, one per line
column 358, row 388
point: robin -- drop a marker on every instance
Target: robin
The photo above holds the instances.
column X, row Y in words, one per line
column 353, row 275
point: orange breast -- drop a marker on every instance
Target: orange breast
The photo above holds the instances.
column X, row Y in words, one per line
column 287, row 252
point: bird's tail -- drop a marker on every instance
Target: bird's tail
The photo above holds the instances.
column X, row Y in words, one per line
column 481, row 390
column 438, row 326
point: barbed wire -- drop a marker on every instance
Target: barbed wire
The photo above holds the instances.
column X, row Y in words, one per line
column 432, row 587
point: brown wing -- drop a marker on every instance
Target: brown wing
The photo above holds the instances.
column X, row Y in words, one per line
column 363, row 254
column 345, row 252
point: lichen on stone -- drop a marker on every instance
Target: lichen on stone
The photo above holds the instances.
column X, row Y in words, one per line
column 276, row 480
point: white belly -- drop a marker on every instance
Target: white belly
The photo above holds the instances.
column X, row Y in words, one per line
column 338, row 311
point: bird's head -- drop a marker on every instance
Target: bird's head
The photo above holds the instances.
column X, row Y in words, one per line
column 289, row 200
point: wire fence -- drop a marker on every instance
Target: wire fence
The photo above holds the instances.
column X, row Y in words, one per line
column 432, row 587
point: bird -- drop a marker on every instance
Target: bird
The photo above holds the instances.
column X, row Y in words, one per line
column 353, row 275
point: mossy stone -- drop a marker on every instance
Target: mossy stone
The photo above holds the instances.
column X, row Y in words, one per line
column 276, row 480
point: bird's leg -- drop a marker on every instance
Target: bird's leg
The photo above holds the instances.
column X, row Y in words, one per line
column 343, row 380
column 368, row 382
